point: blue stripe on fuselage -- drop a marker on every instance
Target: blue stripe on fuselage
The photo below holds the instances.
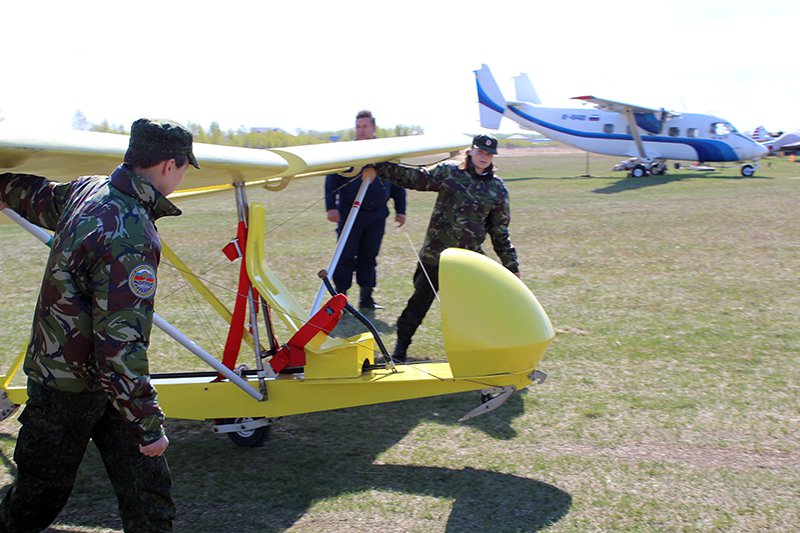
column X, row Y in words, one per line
column 484, row 99
column 707, row 149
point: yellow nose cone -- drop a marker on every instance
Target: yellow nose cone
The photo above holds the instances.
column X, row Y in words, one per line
column 492, row 322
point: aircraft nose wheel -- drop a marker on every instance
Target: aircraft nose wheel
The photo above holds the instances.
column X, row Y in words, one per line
column 252, row 432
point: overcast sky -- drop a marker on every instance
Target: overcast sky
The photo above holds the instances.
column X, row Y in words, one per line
column 312, row 65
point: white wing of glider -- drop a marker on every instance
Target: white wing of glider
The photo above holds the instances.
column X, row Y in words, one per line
column 69, row 154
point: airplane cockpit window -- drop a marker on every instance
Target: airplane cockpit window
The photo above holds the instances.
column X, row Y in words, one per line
column 674, row 132
column 691, row 132
column 608, row 128
column 722, row 128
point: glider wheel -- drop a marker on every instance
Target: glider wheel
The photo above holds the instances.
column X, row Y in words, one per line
column 250, row 438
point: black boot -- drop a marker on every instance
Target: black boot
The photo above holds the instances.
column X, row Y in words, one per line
column 366, row 302
column 400, row 349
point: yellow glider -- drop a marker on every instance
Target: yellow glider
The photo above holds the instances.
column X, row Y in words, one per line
column 495, row 331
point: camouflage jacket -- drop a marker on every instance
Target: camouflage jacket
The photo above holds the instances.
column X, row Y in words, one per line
column 468, row 207
column 91, row 327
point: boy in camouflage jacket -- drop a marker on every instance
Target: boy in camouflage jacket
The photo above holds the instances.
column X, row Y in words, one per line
column 87, row 367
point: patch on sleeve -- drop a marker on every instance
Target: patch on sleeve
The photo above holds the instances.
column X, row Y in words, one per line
column 142, row 281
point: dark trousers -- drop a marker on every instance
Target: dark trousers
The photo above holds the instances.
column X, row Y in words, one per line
column 360, row 253
column 419, row 303
column 56, row 428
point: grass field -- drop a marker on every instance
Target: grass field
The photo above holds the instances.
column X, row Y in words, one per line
column 673, row 396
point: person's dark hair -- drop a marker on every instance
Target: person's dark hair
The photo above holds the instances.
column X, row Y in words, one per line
column 137, row 158
column 366, row 114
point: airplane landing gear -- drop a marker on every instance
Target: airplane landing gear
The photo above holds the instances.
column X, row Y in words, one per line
column 748, row 170
column 639, row 168
column 638, row 171
column 658, row 168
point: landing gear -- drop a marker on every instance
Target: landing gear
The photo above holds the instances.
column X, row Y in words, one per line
column 748, row 170
column 248, row 432
column 658, row 168
column 638, row 171
column 639, row 168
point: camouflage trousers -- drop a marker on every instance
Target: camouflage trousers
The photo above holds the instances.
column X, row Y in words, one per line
column 420, row 301
column 56, row 428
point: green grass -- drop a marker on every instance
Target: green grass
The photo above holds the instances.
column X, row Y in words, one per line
column 673, row 396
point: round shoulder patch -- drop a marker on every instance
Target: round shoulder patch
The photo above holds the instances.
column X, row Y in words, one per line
column 142, row 281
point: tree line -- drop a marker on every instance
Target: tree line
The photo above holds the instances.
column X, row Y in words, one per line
column 254, row 137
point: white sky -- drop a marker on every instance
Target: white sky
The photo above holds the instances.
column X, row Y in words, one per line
column 311, row 65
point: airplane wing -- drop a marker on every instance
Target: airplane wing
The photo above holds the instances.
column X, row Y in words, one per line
column 66, row 155
column 621, row 107
column 646, row 118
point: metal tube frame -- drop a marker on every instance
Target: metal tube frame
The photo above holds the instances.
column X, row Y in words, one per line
column 158, row 321
column 348, row 226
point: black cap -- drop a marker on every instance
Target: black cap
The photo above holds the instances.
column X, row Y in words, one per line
column 162, row 137
column 487, row 143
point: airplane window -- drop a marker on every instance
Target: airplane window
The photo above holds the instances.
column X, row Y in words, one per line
column 691, row 132
column 608, row 128
column 674, row 132
column 721, row 128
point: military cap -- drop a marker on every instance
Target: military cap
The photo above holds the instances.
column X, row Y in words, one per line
column 487, row 143
column 162, row 137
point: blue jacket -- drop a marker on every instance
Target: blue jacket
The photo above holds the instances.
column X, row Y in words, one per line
column 340, row 193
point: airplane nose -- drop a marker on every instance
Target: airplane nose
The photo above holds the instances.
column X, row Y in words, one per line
column 751, row 149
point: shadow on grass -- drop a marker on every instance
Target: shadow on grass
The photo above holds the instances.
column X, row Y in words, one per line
column 631, row 184
column 335, row 455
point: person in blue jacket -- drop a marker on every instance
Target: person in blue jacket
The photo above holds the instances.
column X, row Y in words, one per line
column 360, row 253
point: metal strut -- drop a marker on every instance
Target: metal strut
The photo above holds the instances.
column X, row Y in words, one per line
column 262, row 372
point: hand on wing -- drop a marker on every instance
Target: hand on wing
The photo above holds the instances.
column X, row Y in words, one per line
column 154, row 449
column 400, row 219
column 369, row 173
column 333, row 215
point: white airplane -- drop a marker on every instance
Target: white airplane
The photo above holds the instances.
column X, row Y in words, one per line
column 648, row 136
column 774, row 142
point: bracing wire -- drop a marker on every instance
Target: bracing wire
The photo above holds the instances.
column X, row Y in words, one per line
column 422, row 266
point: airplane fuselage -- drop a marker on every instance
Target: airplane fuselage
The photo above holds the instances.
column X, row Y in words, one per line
column 688, row 137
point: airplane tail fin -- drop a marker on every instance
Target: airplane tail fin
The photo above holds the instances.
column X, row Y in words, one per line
column 490, row 100
column 525, row 90
column 761, row 134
